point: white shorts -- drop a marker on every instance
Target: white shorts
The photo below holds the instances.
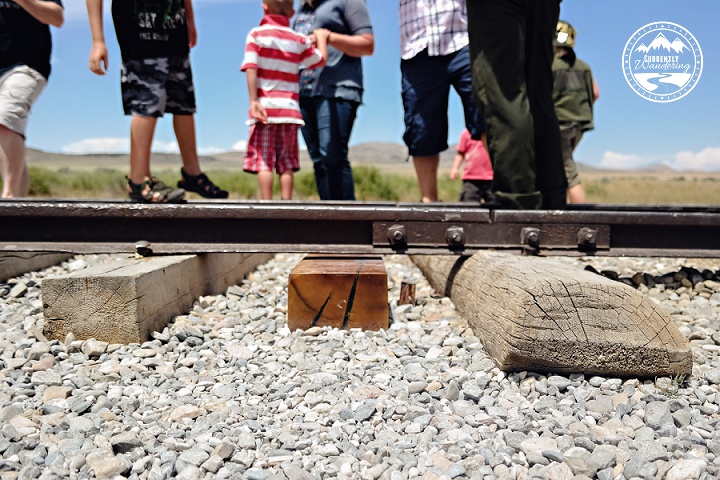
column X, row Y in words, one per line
column 19, row 88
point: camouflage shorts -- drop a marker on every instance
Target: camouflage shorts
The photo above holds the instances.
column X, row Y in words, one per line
column 154, row 86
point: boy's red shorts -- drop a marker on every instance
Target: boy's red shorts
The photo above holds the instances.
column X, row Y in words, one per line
column 272, row 146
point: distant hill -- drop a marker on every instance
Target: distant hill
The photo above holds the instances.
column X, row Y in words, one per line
column 380, row 154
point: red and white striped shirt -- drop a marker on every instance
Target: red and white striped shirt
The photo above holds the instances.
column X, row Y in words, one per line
column 278, row 53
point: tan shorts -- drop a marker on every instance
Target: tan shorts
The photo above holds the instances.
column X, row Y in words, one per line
column 570, row 139
column 19, row 88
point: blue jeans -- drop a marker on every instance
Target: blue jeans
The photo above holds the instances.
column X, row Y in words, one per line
column 328, row 124
column 426, row 83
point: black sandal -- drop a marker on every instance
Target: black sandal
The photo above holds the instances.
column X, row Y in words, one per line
column 201, row 185
column 153, row 190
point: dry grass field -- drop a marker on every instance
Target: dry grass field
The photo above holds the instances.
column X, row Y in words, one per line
column 382, row 173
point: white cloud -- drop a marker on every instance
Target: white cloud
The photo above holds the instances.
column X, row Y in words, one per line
column 98, row 145
column 703, row 161
column 239, row 146
column 622, row 161
column 122, row 145
column 706, row 160
column 210, row 150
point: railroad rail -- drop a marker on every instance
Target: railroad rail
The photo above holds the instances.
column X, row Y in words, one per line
column 85, row 226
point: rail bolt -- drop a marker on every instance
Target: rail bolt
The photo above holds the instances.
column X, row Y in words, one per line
column 397, row 235
column 455, row 237
column 143, row 249
column 530, row 237
column 587, row 238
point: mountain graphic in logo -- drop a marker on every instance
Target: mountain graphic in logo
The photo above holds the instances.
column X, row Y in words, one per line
column 658, row 69
column 661, row 42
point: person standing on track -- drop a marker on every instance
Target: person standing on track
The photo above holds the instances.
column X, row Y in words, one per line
column 25, row 47
column 574, row 95
column 330, row 96
column 511, row 46
column 274, row 55
column 434, row 57
column 155, row 38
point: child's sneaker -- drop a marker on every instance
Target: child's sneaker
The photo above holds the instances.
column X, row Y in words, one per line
column 153, row 190
column 201, row 185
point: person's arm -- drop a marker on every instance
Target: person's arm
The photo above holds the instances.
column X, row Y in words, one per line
column 190, row 18
column 257, row 111
column 98, row 54
column 321, row 43
column 353, row 45
column 596, row 91
column 49, row 13
column 457, row 162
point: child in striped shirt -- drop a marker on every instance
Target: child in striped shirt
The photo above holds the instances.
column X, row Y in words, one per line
column 274, row 56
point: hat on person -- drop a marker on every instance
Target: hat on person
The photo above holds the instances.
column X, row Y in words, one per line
column 564, row 35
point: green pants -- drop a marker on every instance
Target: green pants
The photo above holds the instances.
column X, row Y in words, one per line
column 511, row 50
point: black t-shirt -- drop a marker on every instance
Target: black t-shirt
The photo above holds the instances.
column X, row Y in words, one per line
column 150, row 28
column 23, row 39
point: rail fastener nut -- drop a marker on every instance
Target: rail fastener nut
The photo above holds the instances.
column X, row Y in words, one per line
column 587, row 238
column 530, row 236
column 143, row 249
column 455, row 237
column 397, row 235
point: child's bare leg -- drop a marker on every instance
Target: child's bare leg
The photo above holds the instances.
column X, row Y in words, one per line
column 142, row 130
column 184, row 126
column 286, row 185
column 16, row 180
column 265, row 181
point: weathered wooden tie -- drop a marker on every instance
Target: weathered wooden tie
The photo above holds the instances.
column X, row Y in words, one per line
column 542, row 315
column 338, row 291
column 19, row 263
column 125, row 301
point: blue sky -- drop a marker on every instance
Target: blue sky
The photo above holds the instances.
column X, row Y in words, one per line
column 80, row 112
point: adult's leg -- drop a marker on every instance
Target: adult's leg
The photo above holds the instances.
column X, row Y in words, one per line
column 550, row 180
column 15, row 177
column 570, row 139
column 309, row 109
column 19, row 88
column 425, row 91
column 184, row 126
column 335, row 119
column 461, row 79
column 497, row 51
column 426, row 168
column 142, row 130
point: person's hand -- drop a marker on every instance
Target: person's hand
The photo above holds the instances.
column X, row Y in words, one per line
column 454, row 173
column 258, row 112
column 192, row 34
column 320, row 34
column 98, row 61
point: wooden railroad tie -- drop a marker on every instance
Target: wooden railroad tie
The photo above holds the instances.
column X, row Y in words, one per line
column 13, row 264
column 542, row 315
column 124, row 301
column 342, row 291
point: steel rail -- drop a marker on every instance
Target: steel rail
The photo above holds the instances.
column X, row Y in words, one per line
column 84, row 226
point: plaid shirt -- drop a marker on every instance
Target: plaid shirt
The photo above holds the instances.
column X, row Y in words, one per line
column 438, row 25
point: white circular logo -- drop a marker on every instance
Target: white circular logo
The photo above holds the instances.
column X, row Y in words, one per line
column 662, row 62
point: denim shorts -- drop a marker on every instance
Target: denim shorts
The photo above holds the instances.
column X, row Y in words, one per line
column 154, row 86
column 19, row 88
column 426, row 83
